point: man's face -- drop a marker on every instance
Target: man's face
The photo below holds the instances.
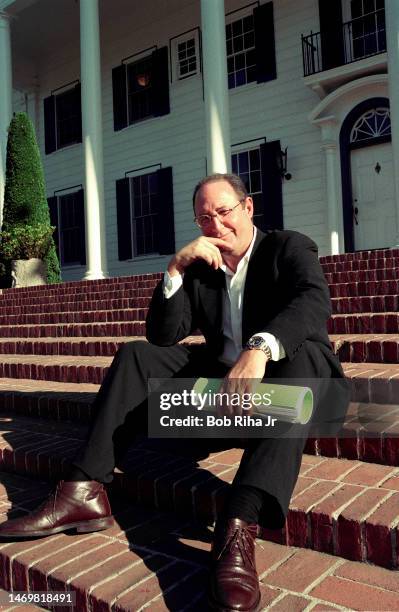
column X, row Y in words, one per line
column 236, row 228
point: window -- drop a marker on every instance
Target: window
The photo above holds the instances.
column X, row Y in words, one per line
column 241, row 54
column 145, row 217
column 248, row 165
column 185, row 54
column 67, row 214
column 367, row 27
column 143, row 194
column 373, row 124
column 258, row 168
column 187, row 58
column 68, row 114
column 63, row 119
column 250, row 46
column 141, row 89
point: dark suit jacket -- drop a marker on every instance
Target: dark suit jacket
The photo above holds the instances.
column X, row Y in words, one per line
column 285, row 294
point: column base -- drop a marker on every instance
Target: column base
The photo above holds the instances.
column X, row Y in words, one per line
column 92, row 275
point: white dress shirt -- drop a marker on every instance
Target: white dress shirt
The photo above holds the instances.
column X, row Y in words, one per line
column 232, row 309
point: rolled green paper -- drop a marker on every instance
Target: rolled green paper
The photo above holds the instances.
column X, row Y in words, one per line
column 290, row 403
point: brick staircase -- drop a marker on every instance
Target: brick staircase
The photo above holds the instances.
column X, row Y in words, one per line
column 56, row 343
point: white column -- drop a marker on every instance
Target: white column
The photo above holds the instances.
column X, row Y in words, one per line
column 5, row 100
column 334, row 201
column 392, row 26
column 92, row 140
column 217, row 122
column 330, row 151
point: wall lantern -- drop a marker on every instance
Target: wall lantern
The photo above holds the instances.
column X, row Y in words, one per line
column 282, row 164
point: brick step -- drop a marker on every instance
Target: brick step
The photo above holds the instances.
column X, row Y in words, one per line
column 371, row 431
column 379, row 274
column 63, row 289
column 63, row 368
column 160, row 561
column 365, row 288
column 361, row 264
column 55, row 368
column 372, row 348
column 371, row 382
column 77, row 298
column 367, row 304
column 102, row 347
column 71, row 330
column 62, row 307
column 352, row 297
column 87, row 316
column 375, row 254
column 363, row 323
column 88, row 284
column 373, row 304
column 339, row 506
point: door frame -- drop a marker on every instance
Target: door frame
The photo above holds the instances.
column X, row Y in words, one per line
column 346, row 172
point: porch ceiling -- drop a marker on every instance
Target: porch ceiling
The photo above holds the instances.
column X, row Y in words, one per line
column 41, row 27
column 38, row 27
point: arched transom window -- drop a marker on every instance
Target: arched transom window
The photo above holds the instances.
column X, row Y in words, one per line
column 374, row 123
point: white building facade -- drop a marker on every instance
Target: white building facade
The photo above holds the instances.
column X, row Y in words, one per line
column 134, row 102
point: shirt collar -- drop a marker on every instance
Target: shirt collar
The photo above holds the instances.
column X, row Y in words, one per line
column 244, row 259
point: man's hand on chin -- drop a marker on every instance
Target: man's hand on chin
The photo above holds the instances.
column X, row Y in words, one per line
column 248, row 370
column 205, row 247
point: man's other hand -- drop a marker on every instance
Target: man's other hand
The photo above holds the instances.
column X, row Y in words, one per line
column 204, row 247
column 246, row 373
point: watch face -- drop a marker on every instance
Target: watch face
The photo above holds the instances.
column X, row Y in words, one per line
column 257, row 341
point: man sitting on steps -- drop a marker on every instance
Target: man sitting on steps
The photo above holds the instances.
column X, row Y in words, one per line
column 262, row 303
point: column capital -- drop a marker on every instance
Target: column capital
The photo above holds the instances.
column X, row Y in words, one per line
column 329, row 145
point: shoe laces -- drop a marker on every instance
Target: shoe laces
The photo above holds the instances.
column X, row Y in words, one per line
column 242, row 540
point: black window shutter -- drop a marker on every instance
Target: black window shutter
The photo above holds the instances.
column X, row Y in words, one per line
column 165, row 222
column 49, row 125
column 123, row 219
column 272, row 190
column 78, row 102
column 265, row 48
column 119, row 89
column 53, row 210
column 331, row 33
column 80, row 209
column 160, row 82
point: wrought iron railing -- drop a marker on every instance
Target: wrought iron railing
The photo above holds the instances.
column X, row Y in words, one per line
column 362, row 37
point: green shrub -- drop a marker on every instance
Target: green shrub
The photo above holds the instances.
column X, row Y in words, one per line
column 26, row 241
column 25, row 202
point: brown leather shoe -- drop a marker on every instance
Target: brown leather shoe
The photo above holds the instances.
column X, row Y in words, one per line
column 83, row 506
column 234, row 583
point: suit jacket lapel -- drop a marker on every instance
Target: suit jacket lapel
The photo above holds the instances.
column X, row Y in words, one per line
column 211, row 296
column 252, row 286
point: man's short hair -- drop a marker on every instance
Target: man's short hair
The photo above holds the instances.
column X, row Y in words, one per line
column 232, row 179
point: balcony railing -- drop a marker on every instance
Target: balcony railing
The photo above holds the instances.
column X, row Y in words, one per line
column 362, row 37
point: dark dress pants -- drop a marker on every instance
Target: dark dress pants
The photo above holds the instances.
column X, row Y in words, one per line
column 120, row 407
column 270, row 464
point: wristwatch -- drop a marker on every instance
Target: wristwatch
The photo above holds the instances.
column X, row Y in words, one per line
column 257, row 342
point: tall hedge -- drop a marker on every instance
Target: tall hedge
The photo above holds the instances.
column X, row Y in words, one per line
column 25, row 201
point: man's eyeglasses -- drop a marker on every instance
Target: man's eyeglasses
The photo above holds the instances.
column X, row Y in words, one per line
column 204, row 220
